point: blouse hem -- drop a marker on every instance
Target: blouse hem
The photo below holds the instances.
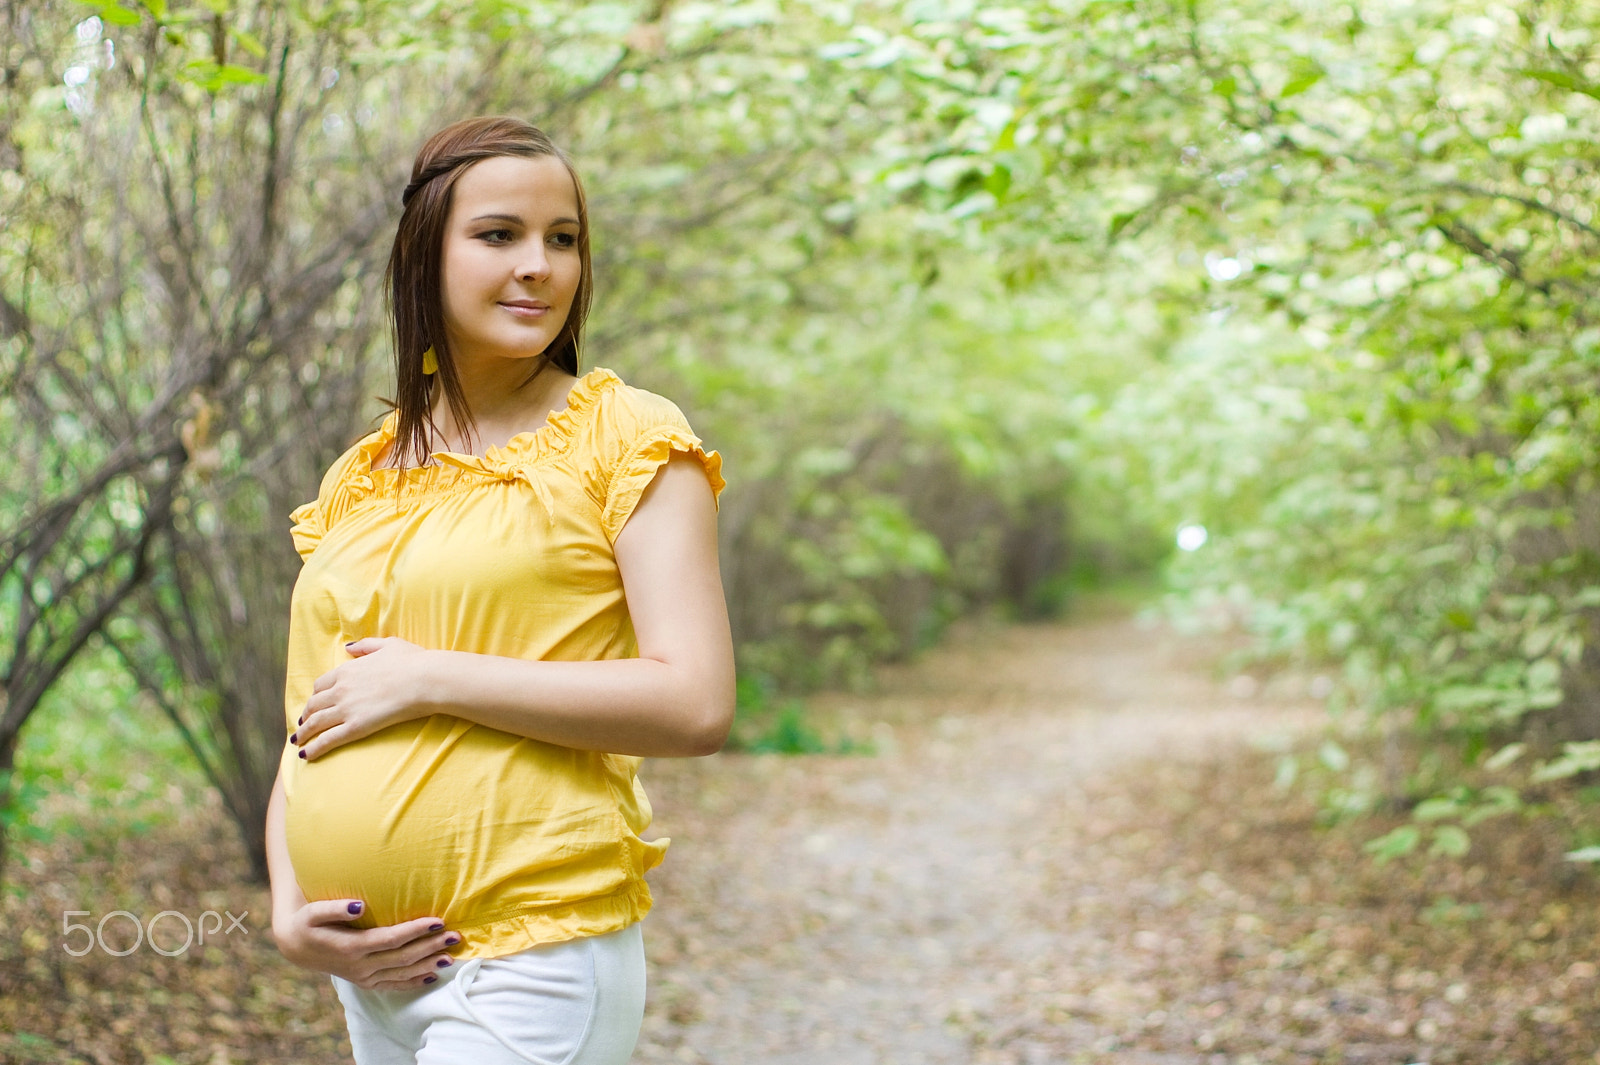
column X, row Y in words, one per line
column 517, row 932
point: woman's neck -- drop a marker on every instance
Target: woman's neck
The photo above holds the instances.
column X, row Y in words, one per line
column 500, row 409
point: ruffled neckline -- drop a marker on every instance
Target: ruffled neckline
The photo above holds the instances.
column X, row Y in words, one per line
column 498, row 462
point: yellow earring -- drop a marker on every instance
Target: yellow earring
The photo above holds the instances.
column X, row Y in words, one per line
column 430, row 362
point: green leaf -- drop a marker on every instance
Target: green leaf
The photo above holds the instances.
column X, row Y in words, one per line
column 1497, row 800
column 1436, row 809
column 235, row 75
column 211, row 77
column 1450, row 841
column 111, row 12
column 1469, row 697
column 1304, row 73
column 1445, row 910
column 1584, row 854
column 249, row 42
column 1505, row 756
column 998, row 182
column 1396, row 844
column 1544, row 674
column 1562, row 80
column 1582, row 757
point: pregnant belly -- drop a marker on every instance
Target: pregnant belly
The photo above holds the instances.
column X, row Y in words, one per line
column 443, row 818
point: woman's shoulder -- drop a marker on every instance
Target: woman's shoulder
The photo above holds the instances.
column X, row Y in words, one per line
column 633, row 433
column 349, row 467
column 622, row 396
column 621, row 412
column 359, row 458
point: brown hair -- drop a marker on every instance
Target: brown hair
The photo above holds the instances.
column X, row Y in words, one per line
column 416, row 300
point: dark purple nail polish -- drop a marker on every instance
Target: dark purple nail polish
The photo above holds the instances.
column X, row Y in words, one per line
column 451, row 941
column 354, row 907
column 294, row 737
column 435, row 926
column 444, row 963
column 302, row 720
column 302, row 752
column 429, row 979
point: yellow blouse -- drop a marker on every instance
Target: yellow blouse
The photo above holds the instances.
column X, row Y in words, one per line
column 511, row 841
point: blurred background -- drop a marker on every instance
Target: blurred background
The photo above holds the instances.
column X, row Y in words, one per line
column 1273, row 319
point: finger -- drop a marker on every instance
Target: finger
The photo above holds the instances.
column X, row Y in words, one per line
column 335, row 911
column 391, row 957
column 312, row 747
column 409, row 985
column 336, row 734
column 396, row 936
column 315, row 705
column 319, row 701
column 314, row 722
column 429, row 950
column 366, row 645
column 334, row 725
column 423, row 926
column 382, row 947
column 402, row 976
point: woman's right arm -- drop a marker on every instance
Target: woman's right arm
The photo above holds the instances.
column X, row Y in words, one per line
column 315, row 935
column 286, row 894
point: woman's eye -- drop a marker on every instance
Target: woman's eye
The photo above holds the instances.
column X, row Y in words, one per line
column 496, row 236
column 565, row 240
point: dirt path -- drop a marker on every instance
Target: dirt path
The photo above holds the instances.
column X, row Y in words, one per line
column 1065, row 852
column 888, row 909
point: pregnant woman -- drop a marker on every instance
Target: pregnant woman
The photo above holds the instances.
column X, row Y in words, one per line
column 509, row 595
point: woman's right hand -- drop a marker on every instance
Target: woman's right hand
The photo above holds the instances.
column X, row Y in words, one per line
column 396, row 957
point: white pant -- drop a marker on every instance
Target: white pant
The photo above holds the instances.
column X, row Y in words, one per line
column 575, row 1003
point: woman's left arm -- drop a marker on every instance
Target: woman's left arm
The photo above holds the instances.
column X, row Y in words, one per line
column 675, row 699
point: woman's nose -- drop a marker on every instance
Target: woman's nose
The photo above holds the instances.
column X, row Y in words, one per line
column 534, row 268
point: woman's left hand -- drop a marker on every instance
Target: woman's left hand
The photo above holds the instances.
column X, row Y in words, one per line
column 377, row 688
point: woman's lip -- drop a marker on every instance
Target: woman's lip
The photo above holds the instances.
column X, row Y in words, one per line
column 525, row 312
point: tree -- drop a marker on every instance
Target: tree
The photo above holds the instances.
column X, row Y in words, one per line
column 209, row 312
column 1380, row 221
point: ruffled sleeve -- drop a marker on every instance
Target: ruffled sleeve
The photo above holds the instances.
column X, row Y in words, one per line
column 636, row 433
column 308, row 527
column 342, row 485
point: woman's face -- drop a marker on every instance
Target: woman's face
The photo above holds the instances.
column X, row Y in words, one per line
column 510, row 267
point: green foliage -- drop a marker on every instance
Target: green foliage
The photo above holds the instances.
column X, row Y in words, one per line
column 984, row 303
column 891, row 425
column 1446, row 910
column 1583, row 757
column 765, row 723
column 788, row 733
column 1394, row 844
column 97, row 754
column 1375, row 229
